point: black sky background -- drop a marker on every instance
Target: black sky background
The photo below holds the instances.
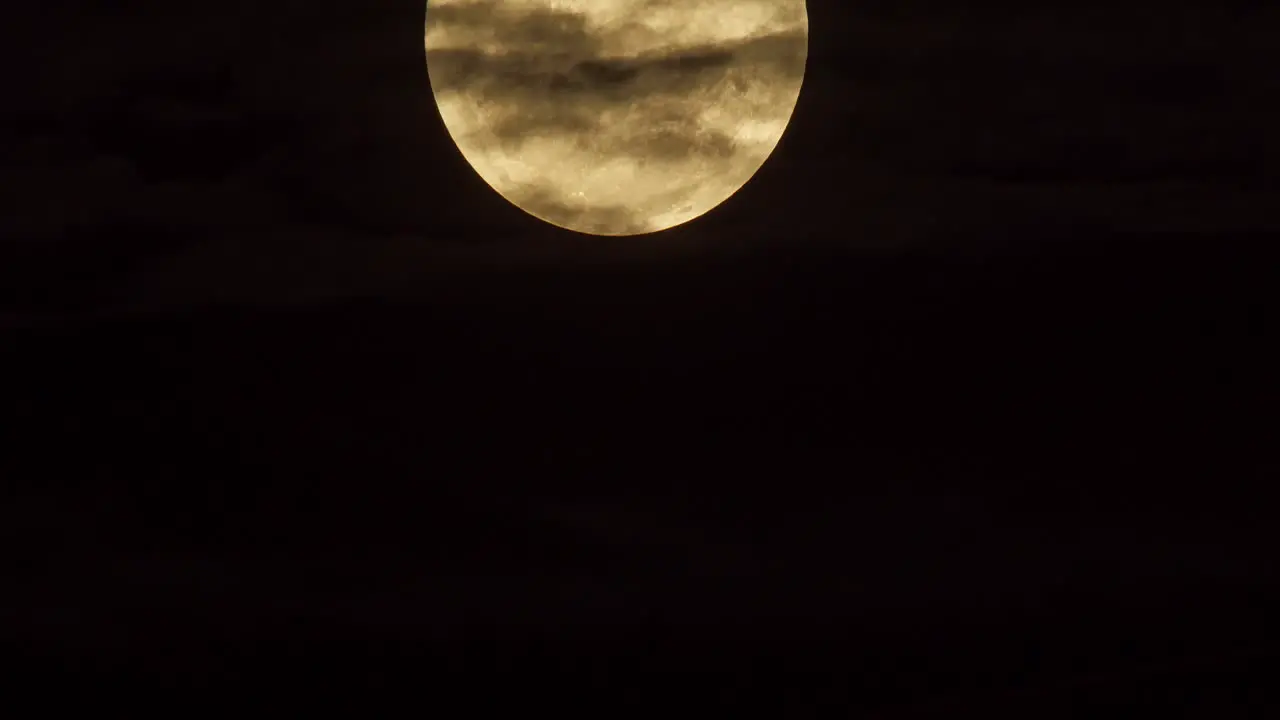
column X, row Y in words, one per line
column 963, row 402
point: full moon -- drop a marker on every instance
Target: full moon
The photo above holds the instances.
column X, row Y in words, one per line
column 616, row 117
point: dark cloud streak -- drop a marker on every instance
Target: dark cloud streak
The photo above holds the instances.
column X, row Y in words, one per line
column 533, row 43
column 543, row 28
column 679, row 143
column 519, row 82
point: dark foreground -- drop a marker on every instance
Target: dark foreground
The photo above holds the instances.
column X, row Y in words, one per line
column 907, row 486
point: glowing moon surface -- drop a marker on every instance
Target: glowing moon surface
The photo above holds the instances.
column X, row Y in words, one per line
column 616, row 117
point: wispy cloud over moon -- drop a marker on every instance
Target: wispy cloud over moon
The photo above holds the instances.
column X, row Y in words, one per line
column 616, row 117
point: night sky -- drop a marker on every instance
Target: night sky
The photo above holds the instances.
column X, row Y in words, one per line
column 962, row 402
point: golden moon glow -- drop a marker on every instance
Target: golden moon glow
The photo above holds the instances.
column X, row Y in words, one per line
column 616, row 117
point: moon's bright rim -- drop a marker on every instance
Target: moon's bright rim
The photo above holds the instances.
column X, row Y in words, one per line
column 616, row 117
